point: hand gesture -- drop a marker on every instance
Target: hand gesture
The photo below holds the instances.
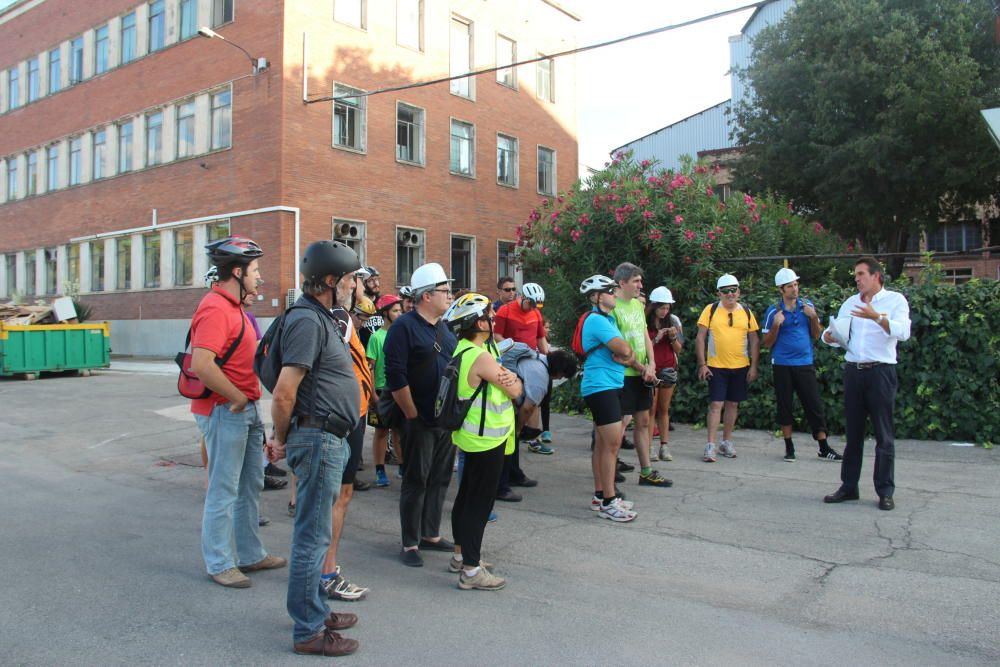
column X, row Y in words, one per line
column 239, row 405
column 827, row 336
column 275, row 450
column 751, row 374
column 704, row 372
column 505, row 377
column 649, row 374
column 866, row 311
column 779, row 317
column 809, row 311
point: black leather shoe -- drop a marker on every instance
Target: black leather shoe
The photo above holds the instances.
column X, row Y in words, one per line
column 621, row 466
column 526, row 483
column 886, row 503
column 440, row 545
column 840, row 496
column 619, row 478
column 509, row 497
column 411, row 557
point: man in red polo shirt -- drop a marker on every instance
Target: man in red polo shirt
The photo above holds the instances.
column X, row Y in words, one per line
column 229, row 417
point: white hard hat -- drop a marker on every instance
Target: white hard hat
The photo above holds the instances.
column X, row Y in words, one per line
column 427, row 276
column 784, row 276
column 534, row 292
column 727, row 280
column 661, row 295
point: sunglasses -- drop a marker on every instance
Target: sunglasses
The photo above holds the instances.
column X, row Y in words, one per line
column 729, row 290
column 509, row 289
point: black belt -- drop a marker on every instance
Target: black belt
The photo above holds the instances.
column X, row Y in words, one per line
column 318, row 422
column 865, row 365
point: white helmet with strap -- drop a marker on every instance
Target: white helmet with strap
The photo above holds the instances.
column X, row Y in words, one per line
column 597, row 283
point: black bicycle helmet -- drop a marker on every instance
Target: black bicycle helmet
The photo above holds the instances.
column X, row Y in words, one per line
column 233, row 250
column 324, row 258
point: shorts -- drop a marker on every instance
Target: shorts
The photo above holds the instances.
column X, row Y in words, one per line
column 636, row 396
column 356, row 439
column 728, row 384
column 605, row 406
column 373, row 419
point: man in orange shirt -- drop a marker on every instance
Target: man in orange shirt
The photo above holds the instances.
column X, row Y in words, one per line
column 229, row 417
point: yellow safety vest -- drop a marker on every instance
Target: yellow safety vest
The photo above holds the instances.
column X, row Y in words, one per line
column 498, row 425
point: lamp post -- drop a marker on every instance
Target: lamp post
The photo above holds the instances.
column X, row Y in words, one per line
column 259, row 64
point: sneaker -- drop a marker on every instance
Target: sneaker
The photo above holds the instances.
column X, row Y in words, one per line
column 709, row 456
column 400, row 471
column 269, row 562
column 830, row 455
column 484, row 580
column 624, row 467
column 539, row 447
column 595, row 503
column 327, row 643
column 390, row 456
column 231, row 578
column 616, row 512
column 654, row 479
column 627, row 444
column 546, row 437
column 493, row 518
column 653, row 455
column 291, row 509
column 619, row 478
column 274, row 471
column 665, row 453
column 361, row 485
column 381, row 479
column 339, row 588
column 790, row 456
column 455, row 564
column 727, row 449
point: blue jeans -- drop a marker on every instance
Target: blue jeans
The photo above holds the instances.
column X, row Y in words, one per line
column 229, row 523
column 317, row 459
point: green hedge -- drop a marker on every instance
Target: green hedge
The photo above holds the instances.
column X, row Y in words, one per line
column 948, row 370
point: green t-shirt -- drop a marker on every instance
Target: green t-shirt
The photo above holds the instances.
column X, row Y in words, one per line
column 374, row 351
column 631, row 319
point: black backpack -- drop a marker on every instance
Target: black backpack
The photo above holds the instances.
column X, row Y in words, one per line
column 267, row 359
column 449, row 409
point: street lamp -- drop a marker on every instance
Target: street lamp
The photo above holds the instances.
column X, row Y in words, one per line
column 259, row 64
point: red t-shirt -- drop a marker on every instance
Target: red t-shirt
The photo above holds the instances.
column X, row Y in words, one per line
column 215, row 326
column 663, row 352
column 523, row 326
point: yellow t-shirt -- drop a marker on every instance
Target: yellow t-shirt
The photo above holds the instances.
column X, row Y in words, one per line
column 728, row 346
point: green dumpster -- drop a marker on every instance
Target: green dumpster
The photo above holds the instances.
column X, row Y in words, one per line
column 31, row 349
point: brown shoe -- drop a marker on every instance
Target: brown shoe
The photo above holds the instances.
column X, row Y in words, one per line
column 269, row 563
column 231, row 578
column 340, row 621
column 327, row 643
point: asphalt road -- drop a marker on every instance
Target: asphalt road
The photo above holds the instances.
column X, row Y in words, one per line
column 739, row 563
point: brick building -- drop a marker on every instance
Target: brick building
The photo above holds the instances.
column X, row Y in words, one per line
column 127, row 142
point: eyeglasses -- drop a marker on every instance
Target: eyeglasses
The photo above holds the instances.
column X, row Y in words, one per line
column 443, row 291
column 508, row 289
column 610, row 290
column 729, row 290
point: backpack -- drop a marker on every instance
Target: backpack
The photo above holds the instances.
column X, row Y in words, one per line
column 267, row 358
column 715, row 307
column 449, row 409
column 577, row 342
column 189, row 385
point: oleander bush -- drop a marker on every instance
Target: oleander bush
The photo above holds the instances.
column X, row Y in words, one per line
column 673, row 226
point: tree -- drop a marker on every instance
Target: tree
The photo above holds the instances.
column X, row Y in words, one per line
column 866, row 113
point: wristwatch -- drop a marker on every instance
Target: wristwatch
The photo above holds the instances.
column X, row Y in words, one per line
column 881, row 316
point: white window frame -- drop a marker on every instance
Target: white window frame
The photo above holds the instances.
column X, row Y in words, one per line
column 538, row 164
column 454, row 86
column 192, row 117
column 420, row 26
column 360, row 240
column 516, row 273
column 213, row 110
column 361, row 109
column 421, row 139
column 517, row 159
column 362, row 18
column 500, row 73
column 421, row 253
column 551, row 84
column 472, row 156
column 472, row 258
column 73, row 60
column 107, row 49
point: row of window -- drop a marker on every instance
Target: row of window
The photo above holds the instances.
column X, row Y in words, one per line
column 350, row 132
column 186, row 128
column 149, row 27
column 139, row 261
column 410, row 33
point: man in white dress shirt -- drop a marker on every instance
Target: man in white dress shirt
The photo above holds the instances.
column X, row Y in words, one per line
column 878, row 319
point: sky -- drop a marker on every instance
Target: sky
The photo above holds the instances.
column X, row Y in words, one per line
column 629, row 90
